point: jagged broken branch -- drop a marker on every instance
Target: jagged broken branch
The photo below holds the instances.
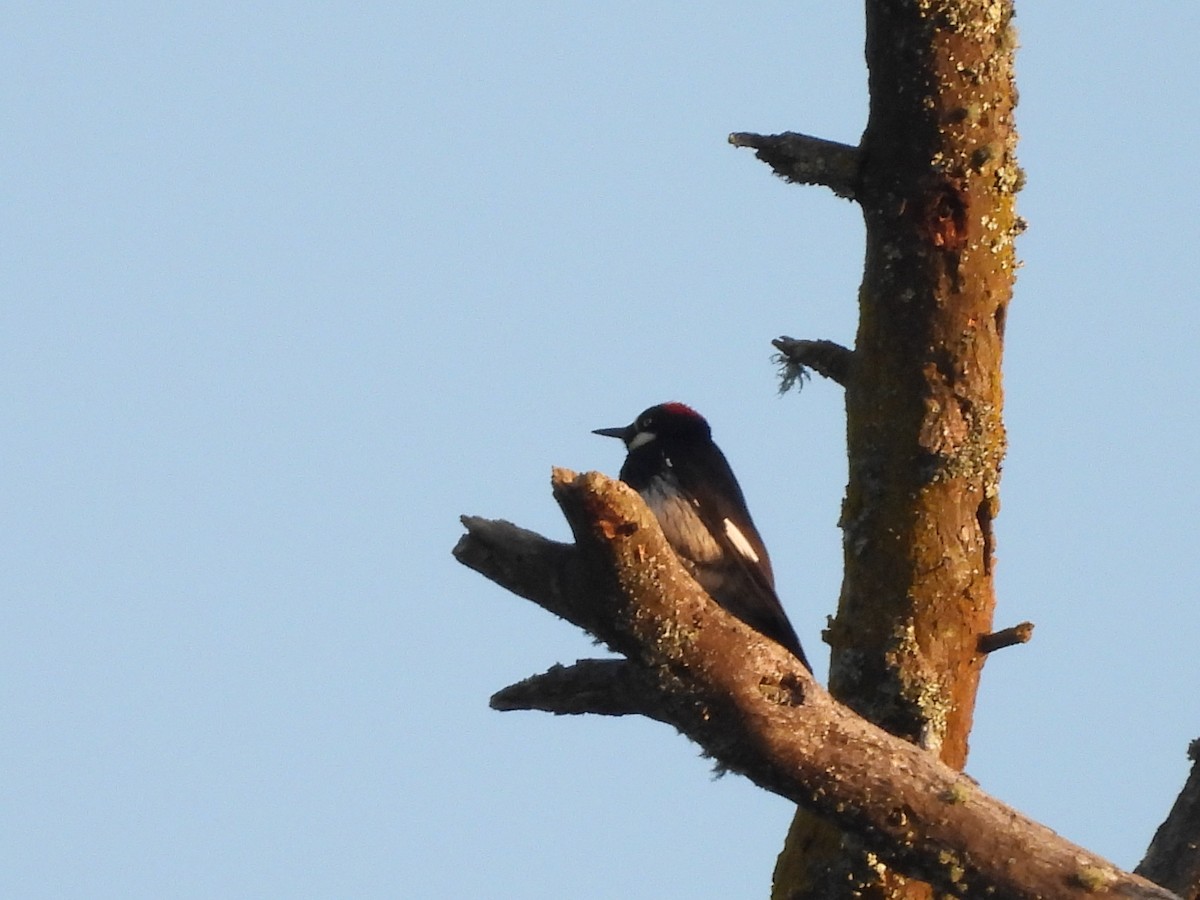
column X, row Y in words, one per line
column 803, row 159
column 1006, row 637
column 755, row 710
column 608, row 687
column 827, row 358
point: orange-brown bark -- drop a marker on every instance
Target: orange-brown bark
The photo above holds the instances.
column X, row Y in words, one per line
column 924, row 398
column 757, row 711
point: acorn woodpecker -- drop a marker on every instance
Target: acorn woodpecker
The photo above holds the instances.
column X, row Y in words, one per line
column 688, row 485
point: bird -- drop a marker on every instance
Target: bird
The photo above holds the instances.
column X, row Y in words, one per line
column 683, row 476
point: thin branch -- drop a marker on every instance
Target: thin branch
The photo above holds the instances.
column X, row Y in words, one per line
column 1173, row 859
column 827, row 358
column 757, row 711
column 1006, row 637
column 802, row 159
column 605, row 687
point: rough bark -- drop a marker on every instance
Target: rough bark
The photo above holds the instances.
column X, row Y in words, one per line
column 755, row 711
column 827, row 358
column 936, row 177
column 1173, row 859
column 803, row 159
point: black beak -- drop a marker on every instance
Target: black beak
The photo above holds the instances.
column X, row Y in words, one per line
column 623, row 433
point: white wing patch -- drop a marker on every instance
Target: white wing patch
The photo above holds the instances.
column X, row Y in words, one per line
column 739, row 541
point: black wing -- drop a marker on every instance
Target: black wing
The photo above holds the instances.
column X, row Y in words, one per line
column 751, row 595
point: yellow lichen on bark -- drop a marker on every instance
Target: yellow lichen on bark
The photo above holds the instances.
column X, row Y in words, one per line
column 924, row 397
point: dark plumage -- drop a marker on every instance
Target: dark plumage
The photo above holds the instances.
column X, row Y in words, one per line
column 686, row 481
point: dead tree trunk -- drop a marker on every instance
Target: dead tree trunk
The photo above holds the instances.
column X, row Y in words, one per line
column 880, row 815
column 935, row 176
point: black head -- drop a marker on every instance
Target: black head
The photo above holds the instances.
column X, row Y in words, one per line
column 669, row 422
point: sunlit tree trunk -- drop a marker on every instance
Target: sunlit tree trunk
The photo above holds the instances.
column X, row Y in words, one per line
column 936, row 180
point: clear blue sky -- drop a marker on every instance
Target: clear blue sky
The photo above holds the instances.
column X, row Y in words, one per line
column 288, row 287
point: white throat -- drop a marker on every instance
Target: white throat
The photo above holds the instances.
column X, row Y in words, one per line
column 641, row 439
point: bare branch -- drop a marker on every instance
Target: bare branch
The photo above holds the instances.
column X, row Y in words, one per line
column 605, row 687
column 1173, row 859
column 827, row 358
column 802, row 159
column 525, row 563
column 757, row 711
column 1006, row 637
